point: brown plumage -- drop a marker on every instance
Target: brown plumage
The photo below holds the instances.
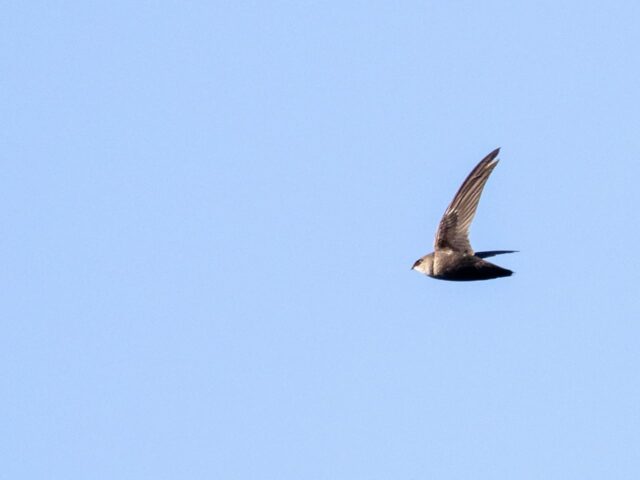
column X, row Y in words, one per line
column 453, row 258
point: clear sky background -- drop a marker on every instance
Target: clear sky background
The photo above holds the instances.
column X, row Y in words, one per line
column 209, row 211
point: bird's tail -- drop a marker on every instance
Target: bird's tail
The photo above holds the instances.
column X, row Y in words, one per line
column 492, row 253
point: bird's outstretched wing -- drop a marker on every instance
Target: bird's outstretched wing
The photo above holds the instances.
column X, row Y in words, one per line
column 453, row 231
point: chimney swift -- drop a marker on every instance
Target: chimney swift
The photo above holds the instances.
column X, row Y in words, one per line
column 453, row 258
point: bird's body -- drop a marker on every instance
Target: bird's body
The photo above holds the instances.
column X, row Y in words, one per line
column 449, row 265
column 453, row 257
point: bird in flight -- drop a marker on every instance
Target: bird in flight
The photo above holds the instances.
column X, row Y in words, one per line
column 453, row 258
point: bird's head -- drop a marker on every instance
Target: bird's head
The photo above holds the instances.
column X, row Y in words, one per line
column 424, row 265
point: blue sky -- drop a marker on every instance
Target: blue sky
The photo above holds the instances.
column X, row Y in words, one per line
column 210, row 209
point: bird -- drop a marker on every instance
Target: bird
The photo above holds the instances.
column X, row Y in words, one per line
column 453, row 258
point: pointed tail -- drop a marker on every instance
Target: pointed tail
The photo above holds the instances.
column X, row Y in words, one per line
column 492, row 253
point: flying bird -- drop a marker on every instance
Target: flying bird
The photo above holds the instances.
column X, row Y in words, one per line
column 453, row 258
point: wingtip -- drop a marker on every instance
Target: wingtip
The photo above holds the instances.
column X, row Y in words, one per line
column 493, row 154
column 491, row 159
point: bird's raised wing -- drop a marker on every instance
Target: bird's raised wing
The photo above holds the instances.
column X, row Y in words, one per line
column 453, row 231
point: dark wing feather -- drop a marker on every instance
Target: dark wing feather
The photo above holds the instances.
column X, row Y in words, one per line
column 453, row 231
